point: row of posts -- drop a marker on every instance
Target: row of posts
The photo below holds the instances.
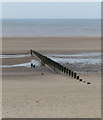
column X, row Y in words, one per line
column 67, row 71
column 55, row 66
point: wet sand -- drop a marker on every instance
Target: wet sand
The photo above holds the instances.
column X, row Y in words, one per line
column 12, row 45
column 29, row 94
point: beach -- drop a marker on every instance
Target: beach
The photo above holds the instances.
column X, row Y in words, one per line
column 12, row 45
column 29, row 94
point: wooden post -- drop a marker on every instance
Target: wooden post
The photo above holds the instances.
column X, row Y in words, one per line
column 88, row 82
column 75, row 75
column 31, row 65
column 80, row 79
column 64, row 70
column 60, row 68
column 31, row 51
column 72, row 73
column 69, row 72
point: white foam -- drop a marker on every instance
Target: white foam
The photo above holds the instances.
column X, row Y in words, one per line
column 15, row 56
column 16, row 65
column 85, row 54
column 35, row 62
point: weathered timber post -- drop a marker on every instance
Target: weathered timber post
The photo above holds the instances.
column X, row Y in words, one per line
column 60, row 68
column 80, row 79
column 64, row 70
column 88, row 82
column 31, row 51
column 31, row 65
column 75, row 75
column 69, row 72
column 72, row 73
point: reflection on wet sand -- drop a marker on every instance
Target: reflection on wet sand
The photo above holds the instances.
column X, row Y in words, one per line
column 81, row 58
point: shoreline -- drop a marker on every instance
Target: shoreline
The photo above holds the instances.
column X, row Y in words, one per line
column 50, row 37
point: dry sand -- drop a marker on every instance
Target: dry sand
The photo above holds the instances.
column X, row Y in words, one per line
column 27, row 93
column 50, row 95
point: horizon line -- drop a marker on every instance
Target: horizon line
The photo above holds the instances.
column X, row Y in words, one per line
column 50, row 18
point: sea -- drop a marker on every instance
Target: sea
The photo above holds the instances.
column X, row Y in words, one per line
column 51, row 27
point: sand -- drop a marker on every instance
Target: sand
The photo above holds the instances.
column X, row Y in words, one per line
column 29, row 94
column 50, row 95
column 23, row 44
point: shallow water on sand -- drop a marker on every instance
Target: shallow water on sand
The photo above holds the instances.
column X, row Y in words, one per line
column 76, row 60
column 84, row 54
column 83, row 58
column 15, row 56
column 35, row 62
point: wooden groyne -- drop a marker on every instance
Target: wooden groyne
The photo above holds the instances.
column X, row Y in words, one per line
column 55, row 66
